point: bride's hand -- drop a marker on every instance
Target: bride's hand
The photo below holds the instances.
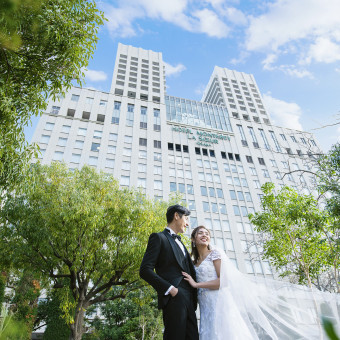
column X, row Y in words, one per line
column 188, row 278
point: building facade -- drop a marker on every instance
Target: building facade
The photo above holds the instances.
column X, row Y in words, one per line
column 216, row 152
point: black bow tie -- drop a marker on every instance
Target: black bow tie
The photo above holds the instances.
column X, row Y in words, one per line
column 174, row 236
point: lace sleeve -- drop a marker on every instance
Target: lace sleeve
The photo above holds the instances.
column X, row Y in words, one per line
column 215, row 255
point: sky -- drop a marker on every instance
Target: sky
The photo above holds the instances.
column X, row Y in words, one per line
column 292, row 47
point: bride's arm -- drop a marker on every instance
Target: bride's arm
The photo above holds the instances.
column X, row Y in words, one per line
column 213, row 284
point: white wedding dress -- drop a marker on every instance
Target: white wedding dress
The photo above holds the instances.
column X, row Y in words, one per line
column 247, row 308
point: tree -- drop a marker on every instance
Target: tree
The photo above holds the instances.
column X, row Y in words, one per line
column 44, row 45
column 294, row 229
column 135, row 317
column 80, row 228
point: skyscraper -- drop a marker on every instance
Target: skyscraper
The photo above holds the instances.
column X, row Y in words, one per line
column 216, row 152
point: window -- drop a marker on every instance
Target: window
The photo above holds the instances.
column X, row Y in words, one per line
column 173, row 186
column 213, row 165
column 109, row 163
column 171, row 146
column 157, row 170
column 75, row 158
column 93, row 160
column 82, row 132
column 125, row 180
column 156, row 120
column 244, row 182
column 283, row 136
column 66, row 128
column 204, row 152
column 208, row 177
column 303, row 141
column 49, row 126
column 180, row 173
column 204, row 191
column 240, row 169
column 113, row 137
column 188, row 174
column 102, row 102
column 265, row 173
column 240, row 229
column 141, row 167
column 89, row 100
column 85, row 115
column 248, row 197
column 157, row 144
column 285, row 165
column 313, row 142
column 230, row 244
column 257, row 184
column 62, row 141
column 178, row 147
column 264, row 138
column 97, row 134
column 242, row 135
column 214, row 207
column 237, row 181
column 276, row 143
column 217, row 178
column 289, row 151
column 253, row 171
column 240, row 196
column 273, row 162
column 206, row 207
column 223, row 155
column 129, row 115
column 212, row 192
column 142, row 141
column 55, row 110
column 127, row 152
column 261, row 161
column 75, row 97
column 157, row 185
column 223, row 209
column 143, row 118
column 236, row 210
column 230, row 156
column 219, row 193
column 44, row 139
column 142, row 154
column 191, row 205
column 190, row 189
column 293, row 139
column 229, row 180
column 58, row 156
column 157, row 157
column 226, row 167
column 277, row 174
column 249, row 159
column 95, row 147
column 212, row 153
column 249, row 267
column 232, row 194
column 225, row 225
column 79, row 144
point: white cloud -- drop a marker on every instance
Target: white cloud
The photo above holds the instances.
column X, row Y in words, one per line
column 171, row 70
column 210, row 24
column 305, row 30
column 197, row 17
column 324, row 50
column 290, row 20
column 283, row 113
column 93, row 75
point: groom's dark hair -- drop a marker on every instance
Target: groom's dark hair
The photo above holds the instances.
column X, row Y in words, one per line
column 176, row 208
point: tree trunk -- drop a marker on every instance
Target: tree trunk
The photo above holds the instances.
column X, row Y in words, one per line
column 77, row 329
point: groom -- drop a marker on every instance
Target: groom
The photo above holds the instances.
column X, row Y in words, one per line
column 167, row 255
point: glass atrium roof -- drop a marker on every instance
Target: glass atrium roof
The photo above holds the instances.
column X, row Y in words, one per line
column 191, row 112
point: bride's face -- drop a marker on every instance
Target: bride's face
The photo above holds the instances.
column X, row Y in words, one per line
column 202, row 237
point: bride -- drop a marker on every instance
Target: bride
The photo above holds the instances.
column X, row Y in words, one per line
column 234, row 306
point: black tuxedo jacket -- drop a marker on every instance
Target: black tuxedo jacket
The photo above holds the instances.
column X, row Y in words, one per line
column 165, row 257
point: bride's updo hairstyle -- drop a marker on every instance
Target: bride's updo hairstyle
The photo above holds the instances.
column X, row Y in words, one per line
column 194, row 251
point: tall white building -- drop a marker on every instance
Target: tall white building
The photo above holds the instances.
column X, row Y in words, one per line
column 217, row 152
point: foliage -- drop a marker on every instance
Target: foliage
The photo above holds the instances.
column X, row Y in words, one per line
column 79, row 226
column 44, row 45
column 25, row 301
column 329, row 329
column 135, row 317
column 329, row 178
column 49, row 314
column 9, row 328
column 293, row 228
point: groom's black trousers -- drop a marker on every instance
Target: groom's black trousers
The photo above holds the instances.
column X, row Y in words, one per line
column 179, row 315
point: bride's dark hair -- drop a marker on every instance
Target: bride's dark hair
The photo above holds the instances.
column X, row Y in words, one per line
column 194, row 251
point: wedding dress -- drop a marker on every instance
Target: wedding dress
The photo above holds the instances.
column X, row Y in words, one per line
column 247, row 308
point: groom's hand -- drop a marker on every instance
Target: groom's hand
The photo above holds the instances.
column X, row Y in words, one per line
column 173, row 291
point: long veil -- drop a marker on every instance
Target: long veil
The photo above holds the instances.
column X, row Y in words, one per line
column 259, row 308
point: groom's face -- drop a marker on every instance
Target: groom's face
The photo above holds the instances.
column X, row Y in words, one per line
column 181, row 222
